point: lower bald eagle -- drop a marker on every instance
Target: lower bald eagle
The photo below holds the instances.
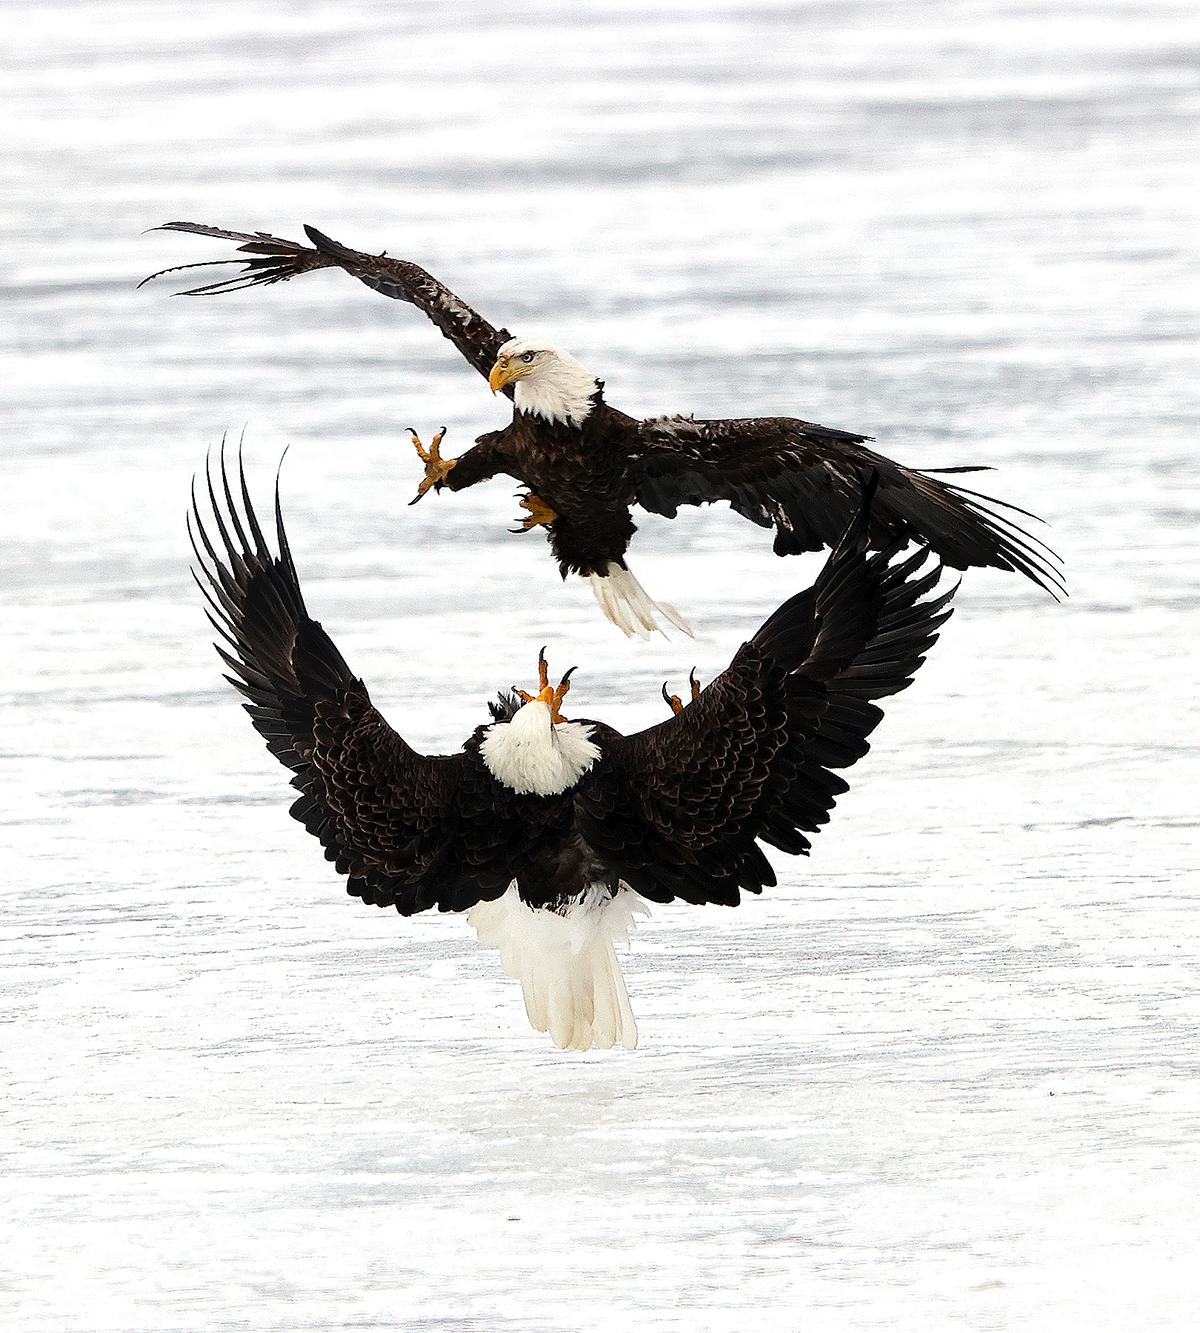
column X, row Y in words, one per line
column 553, row 833
column 585, row 463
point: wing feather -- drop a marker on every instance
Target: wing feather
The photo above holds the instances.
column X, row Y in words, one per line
column 806, row 481
column 677, row 809
column 409, row 830
column 276, row 260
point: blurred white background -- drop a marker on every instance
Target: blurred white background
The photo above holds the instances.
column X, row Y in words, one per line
column 945, row 1076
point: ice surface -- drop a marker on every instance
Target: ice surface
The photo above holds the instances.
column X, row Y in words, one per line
column 945, row 1076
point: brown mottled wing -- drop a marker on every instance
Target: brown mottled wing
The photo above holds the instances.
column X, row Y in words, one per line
column 276, row 260
column 409, row 830
column 676, row 810
column 806, row 481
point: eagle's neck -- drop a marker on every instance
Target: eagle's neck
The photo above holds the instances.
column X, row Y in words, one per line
column 562, row 390
column 530, row 755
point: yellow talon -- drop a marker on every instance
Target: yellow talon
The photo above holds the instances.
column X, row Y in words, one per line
column 437, row 468
column 540, row 513
column 549, row 694
column 673, row 701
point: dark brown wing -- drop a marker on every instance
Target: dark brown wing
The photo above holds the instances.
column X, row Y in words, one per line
column 277, row 260
column 676, row 809
column 410, row 830
column 806, row 481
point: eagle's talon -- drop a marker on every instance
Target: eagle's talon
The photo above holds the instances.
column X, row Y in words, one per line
column 553, row 695
column 437, row 468
column 674, row 702
column 540, row 513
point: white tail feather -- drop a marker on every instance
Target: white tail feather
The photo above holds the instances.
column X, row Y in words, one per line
column 627, row 604
column 566, row 964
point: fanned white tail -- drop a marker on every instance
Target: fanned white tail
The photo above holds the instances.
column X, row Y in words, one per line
column 566, row 964
column 629, row 606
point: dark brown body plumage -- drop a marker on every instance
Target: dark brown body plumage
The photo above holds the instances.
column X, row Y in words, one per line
column 801, row 479
column 675, row 811
column 580, row 472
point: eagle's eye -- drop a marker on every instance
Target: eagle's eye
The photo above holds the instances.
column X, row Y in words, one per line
column 527, row 357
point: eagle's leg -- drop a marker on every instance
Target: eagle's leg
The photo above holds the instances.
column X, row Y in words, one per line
column 540, row 513
column 543, row 678
column 549, row 694
column 437, row 468
column 673, row 701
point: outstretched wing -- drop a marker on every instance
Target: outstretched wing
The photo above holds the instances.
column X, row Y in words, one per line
column 410, row 830
column 806, row 481
column 676, row 809
column 277, row 260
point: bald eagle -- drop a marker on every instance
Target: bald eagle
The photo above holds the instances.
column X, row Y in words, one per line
column 553, row 833
column 585, row 463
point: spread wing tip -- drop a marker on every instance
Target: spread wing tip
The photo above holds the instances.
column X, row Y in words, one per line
column 996, row 541
column 275, row 259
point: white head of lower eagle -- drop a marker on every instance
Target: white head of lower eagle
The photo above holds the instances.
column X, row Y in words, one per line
column 532, row 754
column 548, row 382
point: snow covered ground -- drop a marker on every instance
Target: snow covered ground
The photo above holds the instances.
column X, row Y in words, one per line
column 945, row 1076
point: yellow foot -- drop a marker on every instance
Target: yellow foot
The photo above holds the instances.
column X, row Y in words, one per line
column 549, row 694
column 673, row 701
column 540, row 513
column 437, row 468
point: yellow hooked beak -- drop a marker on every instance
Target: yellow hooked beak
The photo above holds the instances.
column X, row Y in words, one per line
column 505, row 371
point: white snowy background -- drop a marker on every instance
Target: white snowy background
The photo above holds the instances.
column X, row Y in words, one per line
column 944, row 1077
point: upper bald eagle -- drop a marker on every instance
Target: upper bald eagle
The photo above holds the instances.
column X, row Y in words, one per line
column 586, row 463
column 553, row 831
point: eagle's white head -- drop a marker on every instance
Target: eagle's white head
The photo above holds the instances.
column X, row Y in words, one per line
column 532, row 753
column 534, row 749
column 548, row 382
